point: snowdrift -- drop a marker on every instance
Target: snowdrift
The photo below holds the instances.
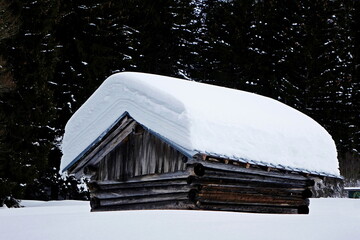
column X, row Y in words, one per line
column 329, row 219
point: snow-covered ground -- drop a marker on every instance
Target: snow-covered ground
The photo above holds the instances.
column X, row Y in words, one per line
column 60, row 220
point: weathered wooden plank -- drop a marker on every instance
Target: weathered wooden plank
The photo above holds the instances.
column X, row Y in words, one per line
column 143, row 199
column 248, row 208
column 241, row 198
column 245, row 182
column 285, row 192
column 99, row 155
column 217, row 206
column 136, row 185
column 250, row 171
column 103, row 153
column 249, row 177
column 142, row 191
column 180, row 177
column 183, row 204
column 141, row 154
column 102, row 144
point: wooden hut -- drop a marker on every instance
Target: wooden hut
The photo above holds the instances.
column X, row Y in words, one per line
column 137, row 160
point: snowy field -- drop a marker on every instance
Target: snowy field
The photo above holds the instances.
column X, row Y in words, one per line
column 59, row 220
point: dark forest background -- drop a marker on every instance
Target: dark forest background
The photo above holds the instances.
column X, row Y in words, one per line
column 55, row 53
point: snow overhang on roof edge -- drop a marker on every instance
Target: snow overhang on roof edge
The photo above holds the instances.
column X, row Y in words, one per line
column 203, row 118
column 265, row 164
column 188, row 153
column 191, row 153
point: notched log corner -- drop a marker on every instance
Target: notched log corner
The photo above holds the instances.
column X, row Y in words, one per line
column 193, row 195
column 94, row 203
column 307, row 193
column 199, row 169
column 303, row 209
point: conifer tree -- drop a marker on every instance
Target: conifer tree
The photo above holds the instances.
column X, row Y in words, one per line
column 350, row 154
column 28, row 134
column 9, row 25
column 223, row 42
column 298, row 52
column 303, row 53
column 98, row 38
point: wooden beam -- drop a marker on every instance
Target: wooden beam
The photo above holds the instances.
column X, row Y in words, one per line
column 98, row 156
column 183, row 204
column 110, row 138
column 141, row 191
column 300, row 193
column 176, row 178
column 236, row 169
column 251, row 182
column 248, row 208
column 138, row 185
column 241, row 198
column 147, row 199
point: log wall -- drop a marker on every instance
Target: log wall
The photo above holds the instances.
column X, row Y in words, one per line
column 131, row 168
column 207, row 186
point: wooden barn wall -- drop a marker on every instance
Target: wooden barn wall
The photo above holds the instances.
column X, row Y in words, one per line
column 140, row 154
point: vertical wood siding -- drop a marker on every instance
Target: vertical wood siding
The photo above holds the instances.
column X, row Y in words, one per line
column 140, row 153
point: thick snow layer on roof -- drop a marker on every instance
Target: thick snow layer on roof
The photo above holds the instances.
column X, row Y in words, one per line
column 204, row 118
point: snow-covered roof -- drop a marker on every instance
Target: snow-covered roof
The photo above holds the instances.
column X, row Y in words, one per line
column 202, row 118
